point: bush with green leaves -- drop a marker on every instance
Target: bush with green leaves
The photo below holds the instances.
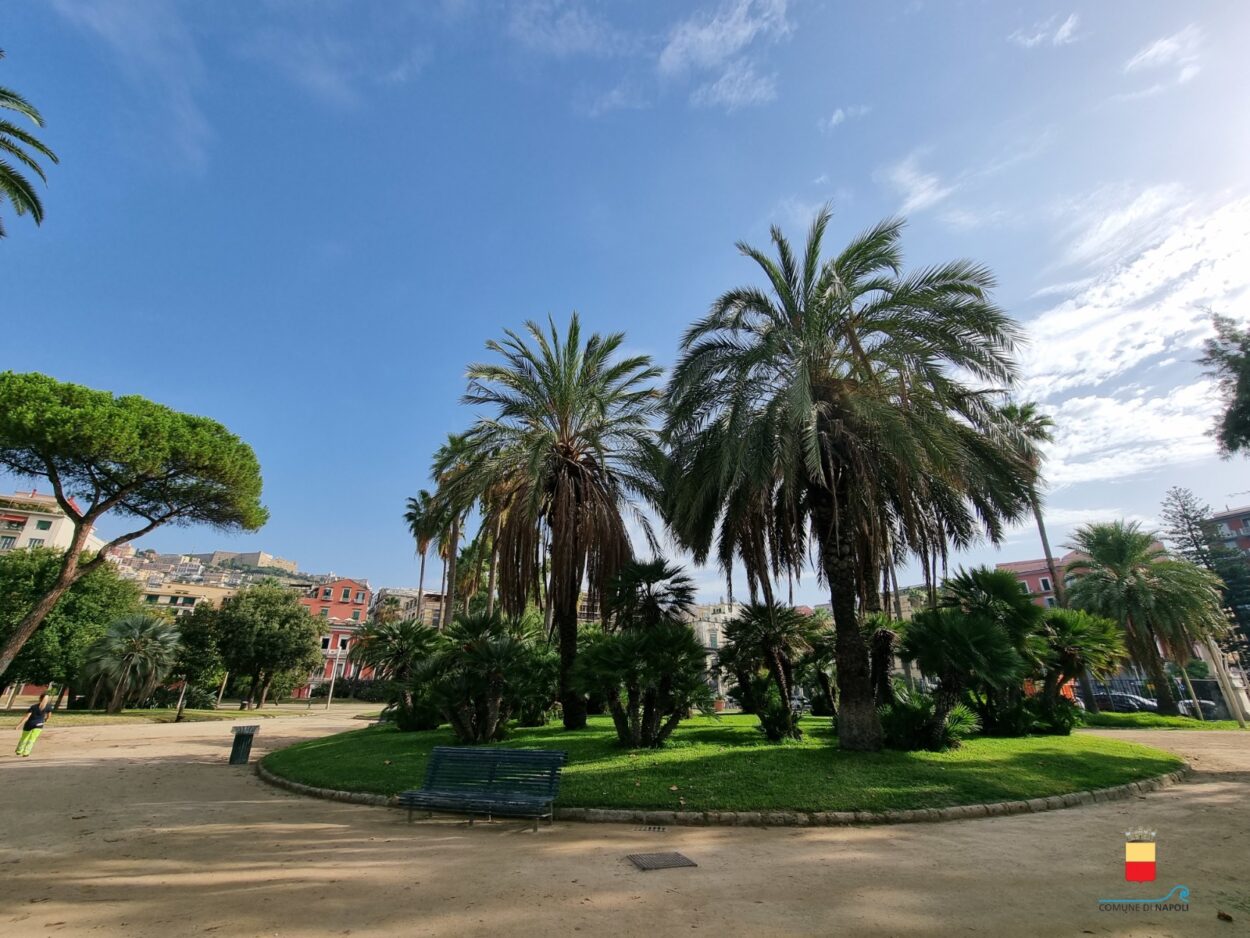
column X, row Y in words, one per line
column 771, row 639
column 650, row 678
column 911, row 722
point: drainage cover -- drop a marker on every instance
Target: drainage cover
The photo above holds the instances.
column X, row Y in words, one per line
column 659, row 861
column 652, row 829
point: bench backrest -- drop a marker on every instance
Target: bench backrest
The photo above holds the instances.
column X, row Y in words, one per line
column 486, row 769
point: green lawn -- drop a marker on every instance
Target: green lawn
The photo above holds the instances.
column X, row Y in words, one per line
column 100, row 718
column 1153, row 721
column 726, row 765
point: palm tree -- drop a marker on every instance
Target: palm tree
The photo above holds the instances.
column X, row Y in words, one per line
column 773, row 637
column 832, row 406
column 17, row 143
column 1077, row 644
column 423, row 525
column 1031, row 428
column 394, row 650
column 567, row 450
column 132, row 658
column 1125, row 575
column 647, row 592
column 452, row 505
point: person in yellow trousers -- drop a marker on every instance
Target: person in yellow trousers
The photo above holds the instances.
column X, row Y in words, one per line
column 31, row 725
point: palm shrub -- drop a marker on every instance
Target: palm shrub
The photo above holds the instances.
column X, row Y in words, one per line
column 771, row 638
column 1076, row 644
column 647, row 592
column 910, row 722
column 844, row 405
column 650, row 678
column 960, row 650
column 818, row 669
column 131, row 659
column 394, row 650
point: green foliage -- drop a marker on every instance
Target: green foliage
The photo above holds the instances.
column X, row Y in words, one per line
column 908, row 723
column 131, row 659
column 263, row 631
column 123, row 457
column 25, row 148
column 199, row 654
column 646, row 593
column 1074, row 643
column 651, row 676
column 56, row 652
column 1226, row 357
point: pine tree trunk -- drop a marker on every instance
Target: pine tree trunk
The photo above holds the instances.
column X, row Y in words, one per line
column 34, row 618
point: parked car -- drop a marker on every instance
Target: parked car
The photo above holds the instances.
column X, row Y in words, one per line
column 1188, row 709
column 1118, row 702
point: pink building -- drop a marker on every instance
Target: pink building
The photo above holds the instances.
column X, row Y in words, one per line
column 1035, row 579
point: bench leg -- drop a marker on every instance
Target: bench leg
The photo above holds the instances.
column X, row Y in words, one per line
column 535, row 825
column 470, row 820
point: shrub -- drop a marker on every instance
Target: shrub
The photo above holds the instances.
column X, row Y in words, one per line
column 650, row 678
column 907, row 724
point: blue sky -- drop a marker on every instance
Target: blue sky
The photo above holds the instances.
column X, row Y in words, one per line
column 304, row 218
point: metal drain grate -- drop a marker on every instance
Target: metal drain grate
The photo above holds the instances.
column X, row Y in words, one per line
column 659, row 861
column 653, row 829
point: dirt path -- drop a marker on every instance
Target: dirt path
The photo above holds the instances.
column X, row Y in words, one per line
column 145, row 831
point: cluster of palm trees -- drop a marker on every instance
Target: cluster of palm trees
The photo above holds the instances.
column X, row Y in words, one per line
column 848, row 413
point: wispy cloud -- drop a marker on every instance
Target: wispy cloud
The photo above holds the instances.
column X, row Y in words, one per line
column 626, row 96
column 1047, row 32
column 1113, row 222
column 919, row 189
column 720, row 42
column 1144, row 307
column 1179, row 54
column 564, row 28
column 158, row 55
column 739, row 86
column 841, row 116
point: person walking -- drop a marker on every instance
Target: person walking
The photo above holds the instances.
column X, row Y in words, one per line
column 31, row 725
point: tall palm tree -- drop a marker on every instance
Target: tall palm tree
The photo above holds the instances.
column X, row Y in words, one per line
column 423, row 525
column 565, row 452
column 1125, row 575
column 17, row 143
column 833, row 405
column 1031, row 428
column 452, row 507
column 132, row 658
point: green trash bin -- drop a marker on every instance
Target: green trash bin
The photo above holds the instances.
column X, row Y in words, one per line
column 242, row 747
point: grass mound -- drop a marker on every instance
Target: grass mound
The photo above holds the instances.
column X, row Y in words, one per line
column 725, row 764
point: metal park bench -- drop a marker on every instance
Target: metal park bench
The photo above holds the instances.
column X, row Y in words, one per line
column 488, row 782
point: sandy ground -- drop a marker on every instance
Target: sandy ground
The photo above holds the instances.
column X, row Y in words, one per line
column 145, row 830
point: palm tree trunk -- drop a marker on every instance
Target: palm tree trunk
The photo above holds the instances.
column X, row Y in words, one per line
column 1056, row 583
column 1152, row 662
column 119, row 692
column 421, row 586
column 859, row 728
column 442, row 598
column 454, row 548
column 494, row 562
column 1189, row 689
column 567, row 568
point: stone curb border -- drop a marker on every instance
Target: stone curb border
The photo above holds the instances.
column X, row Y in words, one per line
column 791, row 818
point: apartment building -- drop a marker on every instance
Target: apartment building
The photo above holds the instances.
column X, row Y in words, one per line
column 431, row 602
column 181, row 598
column 29, row 519
column 708, row 621
column 344, row 605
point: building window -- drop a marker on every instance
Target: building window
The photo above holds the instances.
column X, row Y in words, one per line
column 7, row 543
column 347, row 594
column 355, row 615
column 325, row 612
column 343, row 644
column 327, row 593
column 1050, row 601
column 43, row 525
column 325, row 643
column 360, row 596
column 14, row 525
column 35, row 542
column 188, row 600
column 713, row 638
column 151, row 597
column 1045, row 584
column 1024, row 586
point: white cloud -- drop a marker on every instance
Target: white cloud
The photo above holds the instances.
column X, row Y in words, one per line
column 740, row 86
column 159, row 57
column 1109, row 223
column 563, row 29
column 624, row 97
column 707, row 41
column 336, row 70
column 1179, row 49
column 1047, row 33
column 840, row 116
column 919, row 189
column 1141, row 311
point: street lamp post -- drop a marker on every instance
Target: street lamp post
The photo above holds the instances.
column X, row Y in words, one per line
column 334, row 673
